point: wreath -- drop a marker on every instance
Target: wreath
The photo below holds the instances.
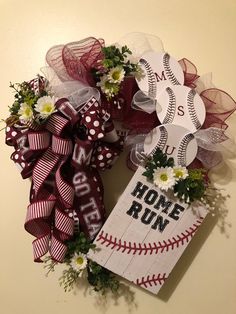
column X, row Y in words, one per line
column 73, row 122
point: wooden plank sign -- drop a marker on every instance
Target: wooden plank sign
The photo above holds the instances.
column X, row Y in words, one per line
column 145, row 234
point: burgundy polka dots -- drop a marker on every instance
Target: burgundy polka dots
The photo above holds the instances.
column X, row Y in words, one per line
column 94, row 118
column 103, row 156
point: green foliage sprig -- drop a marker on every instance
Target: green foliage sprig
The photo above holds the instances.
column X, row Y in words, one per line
column 189, row 189
column 113, row 68
column 113, row 57
column 193, row 187
column 158, row 160
column 100, row 278
column 25, row 93
column 78, row 244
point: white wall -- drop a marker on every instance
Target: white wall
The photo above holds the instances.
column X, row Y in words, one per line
column 204, row 280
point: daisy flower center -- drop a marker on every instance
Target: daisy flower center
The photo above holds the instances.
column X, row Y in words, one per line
column 48, row 107
column 116, row 75
column 28, row 112
column 179, row 173
column 163, row 177
column 79, row 260
column 107, row 84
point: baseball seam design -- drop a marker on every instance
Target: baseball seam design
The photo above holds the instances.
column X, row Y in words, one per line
column 162, row 141
column 166, row 63
column 181, row 156
column 170, row 114
column 151, row 280
column 152, row 90
column 191, row 110
column 148, row 248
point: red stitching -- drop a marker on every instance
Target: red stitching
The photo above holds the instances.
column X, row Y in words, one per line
column 151, row 280
column 148, row 248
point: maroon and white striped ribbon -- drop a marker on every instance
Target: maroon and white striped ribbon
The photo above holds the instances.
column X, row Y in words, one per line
column 40, row 247
column 57, row 249
column 61, row 146
column 36, row 223
column 64, row 223
column 56, row 124
column 39, row 140
column 43, row 168
column 45, row 151
column 65, row 190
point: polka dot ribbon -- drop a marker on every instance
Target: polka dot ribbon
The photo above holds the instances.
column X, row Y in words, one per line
column 66, row 191
column 94, row 118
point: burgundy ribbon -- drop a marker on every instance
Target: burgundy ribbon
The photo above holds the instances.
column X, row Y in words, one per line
column 190, row 72
column 75, row 60
column 63, row 167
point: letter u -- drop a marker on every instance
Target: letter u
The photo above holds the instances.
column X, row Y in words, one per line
column 167, row 150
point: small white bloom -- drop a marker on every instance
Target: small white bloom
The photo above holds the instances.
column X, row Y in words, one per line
column 180, row 172
column 25, row 112
column 116, row 75
column 108, row 88
column 45, row 106
column 139, row 74
column 79, row 262
column 164, row 178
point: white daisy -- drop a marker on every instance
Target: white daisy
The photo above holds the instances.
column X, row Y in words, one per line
column 116, row 75
column 180, row 172
column 25, row 112
column 79, row 262
column 45, row 106
column 164, row 178
column 108, row 88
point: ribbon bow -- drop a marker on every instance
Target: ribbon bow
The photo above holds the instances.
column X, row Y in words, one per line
column 55, row 157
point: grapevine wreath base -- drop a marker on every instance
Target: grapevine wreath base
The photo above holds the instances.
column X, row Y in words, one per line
column 74, row 121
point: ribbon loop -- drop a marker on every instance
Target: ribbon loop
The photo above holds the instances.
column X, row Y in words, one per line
column 56, row 124
column 64, row 223
column 67, row 110
column 94, row 119
column 39, row 140
column 61, row 146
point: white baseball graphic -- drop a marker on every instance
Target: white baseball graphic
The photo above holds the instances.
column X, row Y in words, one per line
column 174, row 140
column 181, row 105
column 161, row 70
column 145, row 234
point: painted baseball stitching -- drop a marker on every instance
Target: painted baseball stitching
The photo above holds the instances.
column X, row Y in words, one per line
column 152, row 89
column 191, row 110
column 162, row 141
column 170, row 114
column 148, row 248
column 181, row 156
column 151, row 280
column 166, row 63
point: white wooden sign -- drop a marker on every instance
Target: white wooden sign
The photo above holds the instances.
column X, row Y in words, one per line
column 146, row 234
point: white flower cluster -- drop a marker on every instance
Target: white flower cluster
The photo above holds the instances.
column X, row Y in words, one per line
column 44, row 107
column 79, row 262
column 166, row 177
column 110, row 82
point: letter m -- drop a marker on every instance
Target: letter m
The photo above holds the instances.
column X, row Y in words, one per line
column 160, row 78
column 81, row 156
